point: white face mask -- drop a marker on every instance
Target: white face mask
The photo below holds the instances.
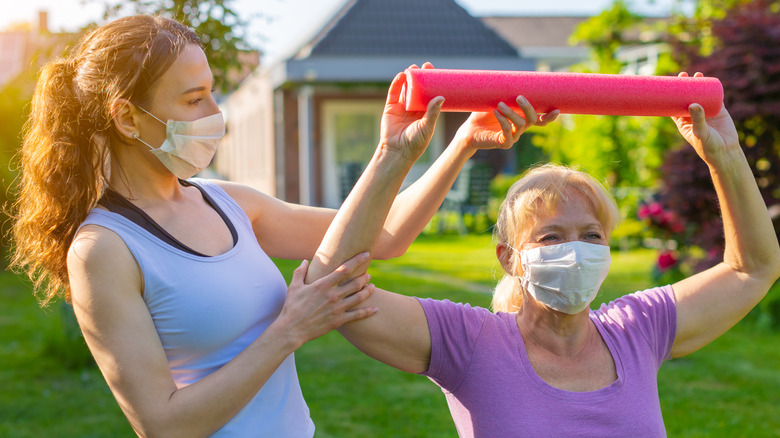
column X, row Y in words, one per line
column 565, row 277
column 189, row 146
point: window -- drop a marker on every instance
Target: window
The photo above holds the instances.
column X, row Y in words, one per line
column 351, row 134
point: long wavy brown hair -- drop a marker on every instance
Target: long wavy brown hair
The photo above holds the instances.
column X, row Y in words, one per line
column 70, row 134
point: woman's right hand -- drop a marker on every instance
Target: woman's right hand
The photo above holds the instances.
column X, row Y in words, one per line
column 407, row 132
column 502, row 128
column 312, row 310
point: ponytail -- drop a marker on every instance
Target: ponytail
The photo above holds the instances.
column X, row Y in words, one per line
column 507, row 296
column 70, row 132
column 61, row 178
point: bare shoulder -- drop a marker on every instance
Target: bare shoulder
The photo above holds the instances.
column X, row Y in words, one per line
column 251, row 200
column 94, row 245
column 98, row 257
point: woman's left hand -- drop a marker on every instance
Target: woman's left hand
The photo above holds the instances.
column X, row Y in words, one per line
column 712, row 137
column 502, row 128
column 407, row 132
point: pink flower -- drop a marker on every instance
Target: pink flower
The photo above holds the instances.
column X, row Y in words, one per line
column 655, row 209
column 666, row 260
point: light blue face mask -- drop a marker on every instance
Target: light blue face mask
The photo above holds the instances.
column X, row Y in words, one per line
column 188, row 146
column 564, row 277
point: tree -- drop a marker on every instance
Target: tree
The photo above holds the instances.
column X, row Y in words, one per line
column 738, row 42
column 745, row 55
column 14, row 108
column 221, row 30
column 625, row 151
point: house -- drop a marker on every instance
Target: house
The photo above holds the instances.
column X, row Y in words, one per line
column 26, row 47
column 545, row 39
column 304, row 128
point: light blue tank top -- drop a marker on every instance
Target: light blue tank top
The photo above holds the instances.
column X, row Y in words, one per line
column 209, row 309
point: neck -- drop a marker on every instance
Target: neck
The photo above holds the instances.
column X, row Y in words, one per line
column 138, row 175
column 560, row 333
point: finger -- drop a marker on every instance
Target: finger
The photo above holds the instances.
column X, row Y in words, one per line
column 683, row 74
column 427, row 65
column 353, row 285
column 433, row 111
column 413, row 66
column 515, row 118
column 549, row 117
column 358, row 314
column 506, row 125
column 394, row 92
column 359, row 296
column 698, row 74
column 347, row 268
column 530, row 113
column 299, row 274
column 698, row 120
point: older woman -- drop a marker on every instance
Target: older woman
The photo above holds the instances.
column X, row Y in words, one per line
column 545, row 364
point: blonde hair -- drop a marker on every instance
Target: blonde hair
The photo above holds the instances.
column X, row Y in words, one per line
column 541, row 189
column 70, row 132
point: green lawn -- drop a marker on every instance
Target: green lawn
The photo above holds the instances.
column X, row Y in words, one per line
column 730, row 388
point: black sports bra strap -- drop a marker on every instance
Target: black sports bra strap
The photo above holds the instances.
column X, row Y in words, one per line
column 118, row 204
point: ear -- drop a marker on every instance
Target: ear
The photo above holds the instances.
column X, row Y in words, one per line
column 125, row 118
column 504, row 255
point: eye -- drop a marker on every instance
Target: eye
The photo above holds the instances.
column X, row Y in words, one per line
column 593, row 236
column 549, row 238
column 196, row 101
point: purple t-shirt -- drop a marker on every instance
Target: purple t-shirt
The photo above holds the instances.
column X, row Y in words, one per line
column 479, row 360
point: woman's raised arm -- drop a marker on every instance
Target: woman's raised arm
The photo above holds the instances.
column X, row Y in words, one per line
column 398, row 334
column 712, row 301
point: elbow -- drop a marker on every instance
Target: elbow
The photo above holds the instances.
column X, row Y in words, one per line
column 163, row 430
column 167, row 425
column 776, row 264
column 390, row 246
column 387, row 253
column 773, row 263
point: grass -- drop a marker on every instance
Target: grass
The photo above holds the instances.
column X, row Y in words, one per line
column 731, row 388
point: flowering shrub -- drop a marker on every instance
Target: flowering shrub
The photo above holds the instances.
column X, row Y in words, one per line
column 669, row 229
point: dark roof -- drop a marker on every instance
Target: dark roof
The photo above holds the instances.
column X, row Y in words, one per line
column 535, row 31
column 407, row 27
column 553, row 31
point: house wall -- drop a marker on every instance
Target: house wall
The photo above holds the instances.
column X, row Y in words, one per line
column 287, row 146
column 246, row 155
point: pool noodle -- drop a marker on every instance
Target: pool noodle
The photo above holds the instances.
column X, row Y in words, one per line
column 572, row 93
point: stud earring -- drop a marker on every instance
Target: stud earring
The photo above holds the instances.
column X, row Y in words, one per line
column 135, row 135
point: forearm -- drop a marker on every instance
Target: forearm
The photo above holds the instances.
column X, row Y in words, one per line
column 359, row 221
column 416, row 205
column 750, row 243
column 205, row 406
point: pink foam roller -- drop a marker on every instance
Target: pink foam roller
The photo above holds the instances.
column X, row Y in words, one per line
column 572, row 93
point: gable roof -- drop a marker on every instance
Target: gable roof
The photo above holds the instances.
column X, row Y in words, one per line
column 407, row 27
column 535, row 31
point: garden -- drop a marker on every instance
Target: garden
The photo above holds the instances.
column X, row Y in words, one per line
column 731, row 388
column 49, row 385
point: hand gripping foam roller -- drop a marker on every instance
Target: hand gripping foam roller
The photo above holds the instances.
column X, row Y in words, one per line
column 572, row 93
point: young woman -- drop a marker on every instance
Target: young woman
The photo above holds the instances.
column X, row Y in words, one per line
column 170, row 278
column 545, row 364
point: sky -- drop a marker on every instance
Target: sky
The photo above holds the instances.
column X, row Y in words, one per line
column 278, row 26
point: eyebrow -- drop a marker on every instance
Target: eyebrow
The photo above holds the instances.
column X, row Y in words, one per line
column 555, row 227
column 195, row 89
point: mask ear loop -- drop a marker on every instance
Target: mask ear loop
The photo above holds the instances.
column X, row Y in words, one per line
column 137, row 137
column 147, row 112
